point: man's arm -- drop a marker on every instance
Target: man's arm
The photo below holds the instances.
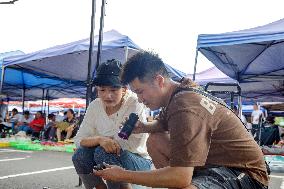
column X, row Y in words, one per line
column 149, row 127
column 168, row 177
column 38, row 125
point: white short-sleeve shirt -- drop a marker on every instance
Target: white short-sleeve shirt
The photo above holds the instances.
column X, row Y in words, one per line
column 255, row 116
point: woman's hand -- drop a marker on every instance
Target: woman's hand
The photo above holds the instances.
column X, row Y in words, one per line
column 110, row 145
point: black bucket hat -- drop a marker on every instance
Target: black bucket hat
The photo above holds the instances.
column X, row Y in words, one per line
column 108, row 74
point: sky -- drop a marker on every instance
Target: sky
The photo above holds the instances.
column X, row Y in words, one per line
column 170, row 28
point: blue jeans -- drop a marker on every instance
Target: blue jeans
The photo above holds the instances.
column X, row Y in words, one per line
column 84, row 159
column 25, row 128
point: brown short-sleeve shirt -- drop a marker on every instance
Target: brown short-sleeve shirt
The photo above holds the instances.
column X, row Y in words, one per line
column 203, row 132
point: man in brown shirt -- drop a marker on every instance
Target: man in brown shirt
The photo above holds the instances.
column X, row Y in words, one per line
column 197, row 142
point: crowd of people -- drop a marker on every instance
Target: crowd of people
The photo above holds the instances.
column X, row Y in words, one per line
column 258, row 122
column 37, row 127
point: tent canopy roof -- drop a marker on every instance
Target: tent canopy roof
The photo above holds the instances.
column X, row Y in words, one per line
column 63, row 69
column 247, row 55
column 269, row 32
column 70, row 61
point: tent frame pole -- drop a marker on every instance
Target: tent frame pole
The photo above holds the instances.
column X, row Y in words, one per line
column 240, row 113
column 47, row 98
column 42, row 100
column 195, row 64
column 232, row 100
column 100, row 34
column 89, row 86
column 93, row 92
column 126, row 54
column 23, row 98
column 2, row 78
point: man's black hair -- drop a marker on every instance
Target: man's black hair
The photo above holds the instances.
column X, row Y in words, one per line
column 39, row 112
column 15, row 110
column 144, row 65
column 50, row 116
column 26, row 112
column 71, row 111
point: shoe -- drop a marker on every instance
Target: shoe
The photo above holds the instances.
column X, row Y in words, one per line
column 68, row 141
column 2, row 135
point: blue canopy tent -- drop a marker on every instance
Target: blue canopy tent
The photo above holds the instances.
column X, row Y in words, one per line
column 18, row 82
column 255, row 91
column 11, row 53
column 174, row 73
column 252, row 57
column 69, row 61
column 212, row 74
column 2, row 56
column 63, row 68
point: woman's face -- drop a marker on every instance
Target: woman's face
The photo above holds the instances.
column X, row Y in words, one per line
column 69, row 115
column 111, row 96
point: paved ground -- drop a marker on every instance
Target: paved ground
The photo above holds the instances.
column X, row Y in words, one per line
column 36, row 170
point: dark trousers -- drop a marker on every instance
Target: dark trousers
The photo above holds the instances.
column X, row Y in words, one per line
column 224, row 178
column 254, row 129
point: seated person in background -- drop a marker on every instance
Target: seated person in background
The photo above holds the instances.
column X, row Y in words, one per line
column 35, row 126
column 2, row 134
column 207, row 146
column 69, row 124
column 24, row 121
column 11, row 121
column 97, row 139
column 50, row 128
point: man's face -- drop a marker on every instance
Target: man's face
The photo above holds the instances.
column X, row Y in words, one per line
column 69, row 114
column 51, row 118
column 148, row 92
column 38, row 115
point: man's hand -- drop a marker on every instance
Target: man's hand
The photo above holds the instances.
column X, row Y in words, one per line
column 167, row 177
column 139, row 126
column 111, row 172
column 110, row 145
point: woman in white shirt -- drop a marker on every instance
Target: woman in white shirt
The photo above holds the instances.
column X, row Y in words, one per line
column 97, row 138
